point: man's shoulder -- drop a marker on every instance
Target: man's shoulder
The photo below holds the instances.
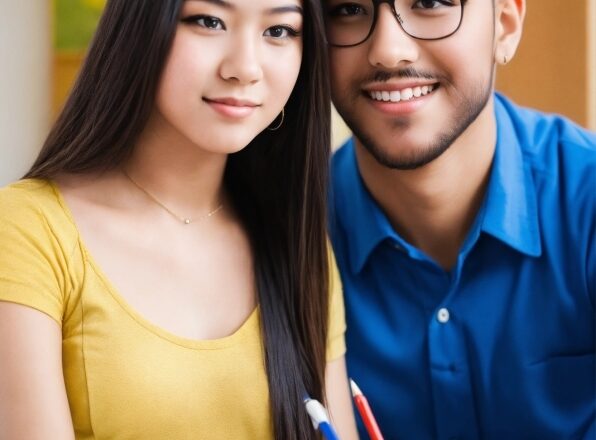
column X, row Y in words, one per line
column 540, row 133
column 559, row 153
column 561, row 158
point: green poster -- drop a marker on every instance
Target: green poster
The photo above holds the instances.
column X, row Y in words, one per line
column 76, row 21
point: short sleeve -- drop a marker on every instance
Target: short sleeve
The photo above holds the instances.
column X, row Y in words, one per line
column 32, row 264
column 336, row 345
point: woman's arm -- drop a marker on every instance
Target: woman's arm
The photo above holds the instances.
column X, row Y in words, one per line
column 339, row 400
column 33, row 402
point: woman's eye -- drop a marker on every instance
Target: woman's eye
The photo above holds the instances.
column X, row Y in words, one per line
column 281, row 32
column 206, row 21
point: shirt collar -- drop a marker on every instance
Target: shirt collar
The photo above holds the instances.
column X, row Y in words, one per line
column 510, row 213
column 355, row 207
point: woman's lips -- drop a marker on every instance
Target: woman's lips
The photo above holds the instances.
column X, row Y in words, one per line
column 232, row 107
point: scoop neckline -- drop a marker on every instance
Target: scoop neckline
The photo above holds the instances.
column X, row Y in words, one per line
column 240, row 334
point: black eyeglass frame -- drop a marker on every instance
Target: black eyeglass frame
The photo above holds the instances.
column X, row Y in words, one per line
column 377, row 4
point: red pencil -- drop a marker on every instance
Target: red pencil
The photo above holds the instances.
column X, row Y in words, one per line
column 365, row 412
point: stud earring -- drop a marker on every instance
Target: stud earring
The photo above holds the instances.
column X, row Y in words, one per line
column 283, row 114
column 504, row 59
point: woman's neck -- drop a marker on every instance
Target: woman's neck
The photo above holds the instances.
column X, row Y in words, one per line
column 177, row 172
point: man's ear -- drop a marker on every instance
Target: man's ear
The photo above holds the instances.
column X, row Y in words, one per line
column 509, row 20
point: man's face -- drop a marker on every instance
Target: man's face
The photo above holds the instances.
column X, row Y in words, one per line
column 453, row 78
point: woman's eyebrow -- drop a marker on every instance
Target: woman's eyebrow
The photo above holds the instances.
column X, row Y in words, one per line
column 276, row 10
column 222, row 3
column 284, row 9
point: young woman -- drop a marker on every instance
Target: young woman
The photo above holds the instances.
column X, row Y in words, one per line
column 164, row 272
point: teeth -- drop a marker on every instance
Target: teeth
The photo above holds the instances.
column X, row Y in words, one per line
column 407, row 94
column 401, row 95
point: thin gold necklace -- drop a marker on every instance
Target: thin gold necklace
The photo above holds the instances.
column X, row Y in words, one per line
column 185, row 220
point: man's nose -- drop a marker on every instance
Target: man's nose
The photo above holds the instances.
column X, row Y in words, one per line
column 390, row 47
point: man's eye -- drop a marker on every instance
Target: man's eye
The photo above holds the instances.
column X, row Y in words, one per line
column 206, row 21
column 347, row 10
column 432, row 4
column 281, row 32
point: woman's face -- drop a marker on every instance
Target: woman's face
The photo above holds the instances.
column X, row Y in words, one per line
column 231, row 69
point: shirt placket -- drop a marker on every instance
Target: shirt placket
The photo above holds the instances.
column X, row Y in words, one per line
column 451, row 381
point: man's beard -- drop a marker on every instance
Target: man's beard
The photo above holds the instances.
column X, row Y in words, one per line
column 463, row 116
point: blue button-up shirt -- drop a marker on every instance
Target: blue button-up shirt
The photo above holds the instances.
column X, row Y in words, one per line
column 502, row 346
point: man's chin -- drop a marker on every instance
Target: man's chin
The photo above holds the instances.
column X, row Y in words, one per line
column 400, row 151
column 406, row 158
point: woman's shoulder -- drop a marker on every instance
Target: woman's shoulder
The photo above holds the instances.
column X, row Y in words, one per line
column 40, row 262
column 34, row 208
column 27, row 195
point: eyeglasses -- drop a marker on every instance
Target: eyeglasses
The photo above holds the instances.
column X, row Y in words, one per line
column 351, row 22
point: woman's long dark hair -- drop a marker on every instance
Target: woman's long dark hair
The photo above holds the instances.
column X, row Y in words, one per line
column 277, row 183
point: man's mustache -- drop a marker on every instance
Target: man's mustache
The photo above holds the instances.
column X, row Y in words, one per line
column 407, row 73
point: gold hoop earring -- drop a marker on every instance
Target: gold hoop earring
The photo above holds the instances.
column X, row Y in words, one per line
column 283, row 114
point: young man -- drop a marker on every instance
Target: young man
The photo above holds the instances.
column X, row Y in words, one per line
column 464, row 228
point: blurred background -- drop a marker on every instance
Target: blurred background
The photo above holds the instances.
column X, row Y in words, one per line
column 43, row 42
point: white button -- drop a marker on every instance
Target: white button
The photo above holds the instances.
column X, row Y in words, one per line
column 443, row 316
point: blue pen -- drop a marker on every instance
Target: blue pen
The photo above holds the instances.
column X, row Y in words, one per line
column 320, row 418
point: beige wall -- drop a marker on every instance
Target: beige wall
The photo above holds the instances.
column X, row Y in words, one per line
column 25, row 51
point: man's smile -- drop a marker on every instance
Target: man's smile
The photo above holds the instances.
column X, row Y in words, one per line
column 404, row 94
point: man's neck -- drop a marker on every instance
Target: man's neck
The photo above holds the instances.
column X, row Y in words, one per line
column 434, row 207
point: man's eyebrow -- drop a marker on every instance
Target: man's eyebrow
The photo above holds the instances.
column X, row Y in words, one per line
column 276, row 10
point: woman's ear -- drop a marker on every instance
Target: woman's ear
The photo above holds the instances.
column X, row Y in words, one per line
column 509, row 20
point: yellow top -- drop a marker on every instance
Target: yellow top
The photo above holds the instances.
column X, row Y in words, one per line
column 125, row 377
